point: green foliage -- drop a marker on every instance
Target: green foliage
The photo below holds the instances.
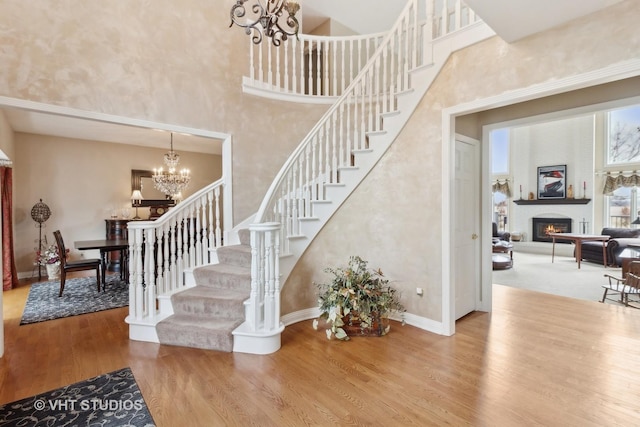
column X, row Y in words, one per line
column 355, row 290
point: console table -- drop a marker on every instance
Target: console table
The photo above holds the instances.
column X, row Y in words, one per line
column 577, row 239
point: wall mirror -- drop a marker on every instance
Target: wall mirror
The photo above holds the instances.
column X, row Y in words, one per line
column 141, row 180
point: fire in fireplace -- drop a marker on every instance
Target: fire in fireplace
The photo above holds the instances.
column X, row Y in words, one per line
column 543, row 226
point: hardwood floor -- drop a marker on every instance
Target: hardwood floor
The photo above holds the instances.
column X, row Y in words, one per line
column 538, row 359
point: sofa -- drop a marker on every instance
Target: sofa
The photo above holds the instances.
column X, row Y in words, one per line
column 619, row 239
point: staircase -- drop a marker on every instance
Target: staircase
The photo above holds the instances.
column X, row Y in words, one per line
column 235, row 304
column 206, row 315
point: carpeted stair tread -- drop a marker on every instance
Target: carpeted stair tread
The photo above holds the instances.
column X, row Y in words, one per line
column 210, row 302
column 197, row 332
column 245, row 236
column 223, row 276
column 207, row 292
column 238, row 255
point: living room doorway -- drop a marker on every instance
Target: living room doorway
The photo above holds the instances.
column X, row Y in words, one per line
column 477, row 118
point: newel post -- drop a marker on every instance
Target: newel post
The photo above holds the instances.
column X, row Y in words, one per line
column 264, row 299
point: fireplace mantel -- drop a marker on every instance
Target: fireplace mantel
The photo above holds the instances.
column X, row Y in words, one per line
column 552, row 202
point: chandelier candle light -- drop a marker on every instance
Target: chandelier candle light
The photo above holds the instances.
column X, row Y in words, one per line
column 265, row 19
column 171, row 182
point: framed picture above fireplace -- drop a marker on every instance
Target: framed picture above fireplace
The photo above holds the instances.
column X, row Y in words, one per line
column 552, row 182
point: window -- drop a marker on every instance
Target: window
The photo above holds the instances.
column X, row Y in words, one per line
column 620, row 206
column 623, row 153
column 623, row 136
column 499, row 140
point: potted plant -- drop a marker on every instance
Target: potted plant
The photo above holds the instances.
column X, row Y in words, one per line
column 50, row 258
column 357, row 301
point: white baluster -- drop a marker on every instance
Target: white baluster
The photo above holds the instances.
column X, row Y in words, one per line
column 292, row 46
column 261, row 64
column 269, row 64
column 344, row 59
column 252, row 64
column 286, row 83
column 278, row 82
column 334, row 68
column 303, row 77
column 218, row 229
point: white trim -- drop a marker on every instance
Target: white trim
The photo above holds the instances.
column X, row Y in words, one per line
column 227, row 174
column 300, row 316
column 410, row 319
column 106, row 118
column 448, row 170
column 608, row 74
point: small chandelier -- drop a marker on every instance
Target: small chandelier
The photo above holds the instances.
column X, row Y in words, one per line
column 266, row 19
column 171, row 182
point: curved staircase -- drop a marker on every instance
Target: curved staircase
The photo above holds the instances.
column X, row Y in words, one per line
column 235, row 304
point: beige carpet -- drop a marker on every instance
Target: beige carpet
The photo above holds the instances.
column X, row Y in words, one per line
column 562, row 277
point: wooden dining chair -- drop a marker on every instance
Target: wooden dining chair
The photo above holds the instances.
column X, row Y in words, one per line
column 79, row 265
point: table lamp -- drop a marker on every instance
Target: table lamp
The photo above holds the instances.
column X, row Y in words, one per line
column 136, row 198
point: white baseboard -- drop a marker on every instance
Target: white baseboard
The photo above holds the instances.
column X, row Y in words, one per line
column 410, row 319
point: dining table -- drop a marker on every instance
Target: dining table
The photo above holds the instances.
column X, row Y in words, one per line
column 105, row 246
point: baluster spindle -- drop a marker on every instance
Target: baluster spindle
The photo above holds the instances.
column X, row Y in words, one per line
column 334, row 68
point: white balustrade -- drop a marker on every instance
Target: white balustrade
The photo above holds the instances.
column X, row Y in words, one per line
column 320, row 68
column 160, row 251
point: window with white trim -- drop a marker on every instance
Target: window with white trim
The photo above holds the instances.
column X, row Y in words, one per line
column 622, row 156
column 499, row 140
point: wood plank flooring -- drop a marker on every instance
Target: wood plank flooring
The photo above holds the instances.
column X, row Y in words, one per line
column 537, row 359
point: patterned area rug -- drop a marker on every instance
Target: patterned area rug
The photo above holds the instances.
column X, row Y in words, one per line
column 80, row 296
column 112, row 399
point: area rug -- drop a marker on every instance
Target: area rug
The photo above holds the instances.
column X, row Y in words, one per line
column 80, row 296
column 112, row 399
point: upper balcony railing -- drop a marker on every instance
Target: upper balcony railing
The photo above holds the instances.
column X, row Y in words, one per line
column 317, row 69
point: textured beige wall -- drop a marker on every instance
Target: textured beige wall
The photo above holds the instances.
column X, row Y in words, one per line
column 81, row 182
column 393, row 219
column 160, row 61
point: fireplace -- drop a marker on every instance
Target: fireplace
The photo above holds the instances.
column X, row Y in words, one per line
column 543, row 226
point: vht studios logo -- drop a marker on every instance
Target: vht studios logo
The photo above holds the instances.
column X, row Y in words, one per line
column 87, row 405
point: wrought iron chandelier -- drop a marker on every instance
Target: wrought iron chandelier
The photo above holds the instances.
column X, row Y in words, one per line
column 264, row 19
column 171, row 182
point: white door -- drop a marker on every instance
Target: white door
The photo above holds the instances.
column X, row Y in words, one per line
column 466, row 244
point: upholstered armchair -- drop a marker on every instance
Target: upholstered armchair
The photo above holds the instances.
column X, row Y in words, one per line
column 500, row 235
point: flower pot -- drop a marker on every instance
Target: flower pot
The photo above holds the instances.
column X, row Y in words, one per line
column 53, row 271
column 353, row 327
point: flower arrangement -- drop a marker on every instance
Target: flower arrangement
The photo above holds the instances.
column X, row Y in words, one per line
column 356, row 300
column 48, row 255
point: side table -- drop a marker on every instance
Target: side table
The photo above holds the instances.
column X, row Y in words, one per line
column 502, row 257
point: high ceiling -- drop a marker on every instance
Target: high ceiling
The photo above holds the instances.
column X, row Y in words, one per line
column 515, row 19
column 511, row 20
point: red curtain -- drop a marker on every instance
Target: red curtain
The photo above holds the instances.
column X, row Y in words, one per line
column 9, row 274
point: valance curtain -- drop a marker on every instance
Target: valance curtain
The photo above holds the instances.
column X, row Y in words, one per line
column 612, row 183
column 501, row 187
column 9, row 273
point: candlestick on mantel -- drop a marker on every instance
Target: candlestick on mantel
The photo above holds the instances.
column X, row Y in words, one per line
column 520, row 191
column 584, row 189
